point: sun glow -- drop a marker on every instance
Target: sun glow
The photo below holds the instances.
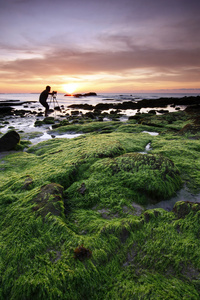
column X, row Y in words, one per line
column 70, row 87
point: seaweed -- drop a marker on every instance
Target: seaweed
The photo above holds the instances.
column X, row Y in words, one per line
column 82, row 253
column 73, row 224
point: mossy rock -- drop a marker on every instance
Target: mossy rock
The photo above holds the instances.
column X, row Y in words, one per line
column 183, row 208
column 151, row 214
column 190, row 128
column 48, row 120
column 28, row 182
column 116, row 182
column 50, row 200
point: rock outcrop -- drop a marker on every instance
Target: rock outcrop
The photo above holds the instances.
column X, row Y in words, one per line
column 9, row 140
column 183, row 208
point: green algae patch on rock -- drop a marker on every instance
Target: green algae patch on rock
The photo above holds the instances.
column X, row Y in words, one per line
column 93, row 145
column 47, row 120
column 173, row 121
column 137, row 128
column 49, row 200
column 87, row 127
column 184, row 152
column 116, row 182
column 193, row 129
column 183, row 208
column 28, row 182
column 154, row 255
column 31, row 135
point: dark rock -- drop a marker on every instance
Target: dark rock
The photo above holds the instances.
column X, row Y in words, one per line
column 151, row 214
column 89, row 94
column 124, row 235
column 38, row 123
column 191, row 128
column 163, row 111
column 145, row 103
column 22, row 112
column 82, row 253
column 152, row 112
column 83, row 95
column 9, row 140
column 27, row 183
column 78, row 95
column 82, row 189
column 49, row 120
column 50, row 200
column 104, row 106
column 183, row 208
column 57, row 108
column 75, row 113
column 11, row 103
column 82, row 106
column 6, row 110
column 147, row 217
column 90, row 115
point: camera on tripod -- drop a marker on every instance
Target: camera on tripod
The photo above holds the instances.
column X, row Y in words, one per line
column 54, row 101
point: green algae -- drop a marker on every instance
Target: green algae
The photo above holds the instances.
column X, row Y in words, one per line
column 112, row 183
column 185, row 154
column 87, row 127
column 30, row 135
column 151, row 256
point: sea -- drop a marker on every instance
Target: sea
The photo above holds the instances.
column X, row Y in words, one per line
column 30, row 100
column 102, row 97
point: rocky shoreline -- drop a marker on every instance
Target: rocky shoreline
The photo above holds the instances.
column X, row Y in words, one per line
column 6, row 107
column 161, row 102
column 74, row 216
column 95, row 113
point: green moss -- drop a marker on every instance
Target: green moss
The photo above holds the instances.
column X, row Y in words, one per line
column 22, row 145
column 154, row 255
column 87, row 127
column 114, row 182
column 174, row 121
column 30, row 135
column 47, row 120
column 184, row 153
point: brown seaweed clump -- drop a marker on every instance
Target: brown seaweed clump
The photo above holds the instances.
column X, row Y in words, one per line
column 82, row 253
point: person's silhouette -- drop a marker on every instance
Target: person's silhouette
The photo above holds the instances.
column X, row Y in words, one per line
column 43, row 98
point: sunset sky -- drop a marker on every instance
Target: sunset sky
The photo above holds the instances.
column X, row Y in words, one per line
column 99, row 45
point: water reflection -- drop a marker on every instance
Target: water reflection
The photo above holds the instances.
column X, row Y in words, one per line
column 47, row 136
column 182, row 195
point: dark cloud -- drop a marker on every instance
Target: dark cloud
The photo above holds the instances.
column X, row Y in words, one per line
column 77, row 62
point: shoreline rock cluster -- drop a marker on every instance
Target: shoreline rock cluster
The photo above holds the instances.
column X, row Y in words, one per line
column 82, row 95
column 145, row 103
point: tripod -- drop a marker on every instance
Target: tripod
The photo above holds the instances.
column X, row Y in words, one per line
column 54, row 101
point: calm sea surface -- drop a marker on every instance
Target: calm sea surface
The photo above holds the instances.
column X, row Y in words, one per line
column 105, row 98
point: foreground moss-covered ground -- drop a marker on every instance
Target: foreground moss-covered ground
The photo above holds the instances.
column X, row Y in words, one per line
column 73, row 218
